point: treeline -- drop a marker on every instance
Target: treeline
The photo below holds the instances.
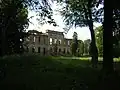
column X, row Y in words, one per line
column 83, row 47
column 14, row 21
column 13, row 17
column 99, row 42
column 79, row 47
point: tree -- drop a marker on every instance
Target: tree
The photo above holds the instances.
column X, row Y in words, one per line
column 14, row 13
column 74, row 43
column 111, row 31
column 108, row 72
column 99, row 39
column 80, row 14
column 116, row 25
column 14, row 22
column 86, row 46
column 80, row 47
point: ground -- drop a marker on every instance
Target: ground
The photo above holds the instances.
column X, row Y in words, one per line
column 33, row 72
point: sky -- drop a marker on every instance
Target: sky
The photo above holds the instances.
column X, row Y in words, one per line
column 83, row 33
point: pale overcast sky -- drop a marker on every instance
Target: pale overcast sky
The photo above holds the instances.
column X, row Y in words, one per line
column 83, row 33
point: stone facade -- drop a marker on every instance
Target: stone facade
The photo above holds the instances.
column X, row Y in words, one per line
column 49, row 43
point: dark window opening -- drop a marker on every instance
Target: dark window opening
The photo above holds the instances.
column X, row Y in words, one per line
column 59, row 42
column 44, row 51
column 38, row 49
column 39, row 39
column 59, row 50
column 33, row 50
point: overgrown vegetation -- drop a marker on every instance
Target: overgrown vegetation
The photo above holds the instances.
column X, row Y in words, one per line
column 33, row 72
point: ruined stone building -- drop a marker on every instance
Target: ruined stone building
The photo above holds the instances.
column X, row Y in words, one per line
column 51, row 42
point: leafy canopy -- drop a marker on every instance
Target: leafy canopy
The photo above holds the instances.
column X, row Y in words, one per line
column 77, row 12
column 99, row 39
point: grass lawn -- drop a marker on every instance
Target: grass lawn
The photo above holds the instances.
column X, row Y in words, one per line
column 33, row 72
column 86, row 58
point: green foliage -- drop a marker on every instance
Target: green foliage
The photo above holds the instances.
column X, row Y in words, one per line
column 82, row 13
column 116, row 32
column 87, row 46
column 99, row 39
column 81, row 47
column 77, row 13
column 116, row 25
column 14, row 22
column 30, row 72
column 74, row 44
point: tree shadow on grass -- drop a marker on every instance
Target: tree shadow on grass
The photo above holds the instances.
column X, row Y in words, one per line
column 34, row 72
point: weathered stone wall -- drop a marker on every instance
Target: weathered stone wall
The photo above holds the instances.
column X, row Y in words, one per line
column 45, row 43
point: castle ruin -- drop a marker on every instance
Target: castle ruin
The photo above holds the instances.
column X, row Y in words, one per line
column 49, row 43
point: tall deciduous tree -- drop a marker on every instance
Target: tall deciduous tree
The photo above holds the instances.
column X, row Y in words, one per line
column 108, row 38
column 87, row 47
column 81, row 13
column 99, row 41
column 74, row 43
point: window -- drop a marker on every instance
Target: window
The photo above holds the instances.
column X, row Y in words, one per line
column 38, row 49
column 34, row 39
column 35, row 33
column 33, row 50
column 44, row 51
column 55, row 41
column 21, row 40
column 68, row 42
column 39, row 39
column 50, row 41
column 59, row 50
column 59, row 41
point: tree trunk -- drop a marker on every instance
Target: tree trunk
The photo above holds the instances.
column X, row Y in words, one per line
column 94, row 51
column 109, row 79
column 108, row 39
column 3, row 42
column 3, row 37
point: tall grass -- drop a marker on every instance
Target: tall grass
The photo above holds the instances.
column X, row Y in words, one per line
column 34, row 72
